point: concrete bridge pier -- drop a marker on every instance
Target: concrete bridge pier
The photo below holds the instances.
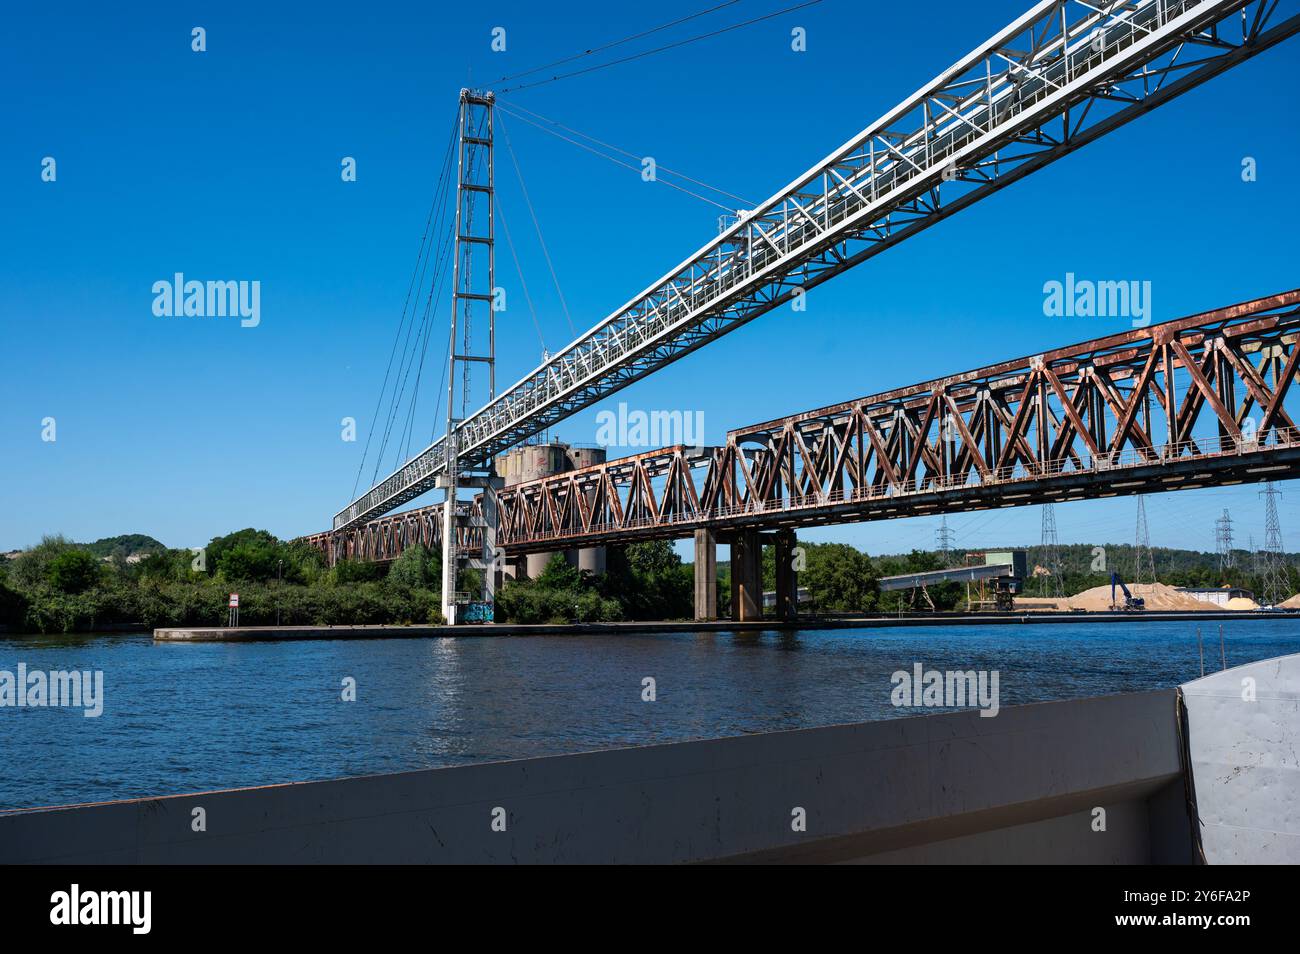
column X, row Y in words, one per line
column 787, row 580
column 706, row 574
column 746, row 576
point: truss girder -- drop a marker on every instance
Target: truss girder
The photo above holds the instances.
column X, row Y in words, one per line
column 1076, row 422
column 1150, row 409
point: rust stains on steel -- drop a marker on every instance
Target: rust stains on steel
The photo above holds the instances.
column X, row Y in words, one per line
column 1191, row 402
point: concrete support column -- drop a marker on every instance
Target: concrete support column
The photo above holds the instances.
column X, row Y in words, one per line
column 787, row 580
column 706, row 574
column 746, row 576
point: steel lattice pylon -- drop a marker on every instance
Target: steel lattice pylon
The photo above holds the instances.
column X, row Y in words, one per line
column 1062, row 75
column 1051, row 585
column 943, row 542
column 1144, row 561
column 1273, row 559
column 474, row 244
column 1223, row 541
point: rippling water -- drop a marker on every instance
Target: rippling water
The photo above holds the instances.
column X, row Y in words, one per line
column 187, row 718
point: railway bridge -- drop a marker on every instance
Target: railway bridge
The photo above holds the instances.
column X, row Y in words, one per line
column 1205, row 400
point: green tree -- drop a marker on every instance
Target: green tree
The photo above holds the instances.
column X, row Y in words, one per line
column 415, row 568
column 840, row 578
column 244, row 556
column 73, row 571
column 355, row 571
column 649, row 581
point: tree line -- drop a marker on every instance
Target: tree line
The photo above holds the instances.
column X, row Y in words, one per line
column 61, row 586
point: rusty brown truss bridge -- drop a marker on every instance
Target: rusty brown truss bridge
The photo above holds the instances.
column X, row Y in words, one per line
column 1195, row 402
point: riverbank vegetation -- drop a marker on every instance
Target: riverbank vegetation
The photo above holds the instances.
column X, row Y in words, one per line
column 133, row 580
column 61, row 586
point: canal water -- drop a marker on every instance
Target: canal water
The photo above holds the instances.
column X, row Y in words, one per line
column 193, row 717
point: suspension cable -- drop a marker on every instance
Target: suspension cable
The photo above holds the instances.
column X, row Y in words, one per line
column 632, row 155
column 505, row 226
column 397, row 337
column 431, row 313
column 537, row 226
column 408, row 358
column 625, row 165
column 661, row 49
column 436, row 285
column 620, row 42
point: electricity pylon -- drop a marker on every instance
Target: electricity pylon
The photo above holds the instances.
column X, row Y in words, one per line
column 943, row 542
column 1144, row 561
column 1273, row 564
column 1051, row 585
column 1223, row 541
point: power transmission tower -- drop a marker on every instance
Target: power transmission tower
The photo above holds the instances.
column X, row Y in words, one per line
column 943, row 542
column 1223, row 541
column 1051, row 585
column 1273, row 565
column 1144, row 562
column 1254, row 555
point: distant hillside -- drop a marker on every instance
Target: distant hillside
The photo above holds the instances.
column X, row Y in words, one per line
column 123, row 546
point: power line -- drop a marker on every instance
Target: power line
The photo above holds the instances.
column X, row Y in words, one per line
column 619, row 42
column 661, row 49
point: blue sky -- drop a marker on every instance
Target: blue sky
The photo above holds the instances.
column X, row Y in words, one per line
column 225, row 165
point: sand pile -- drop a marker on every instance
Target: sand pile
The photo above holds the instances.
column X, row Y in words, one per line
column 1292, row 603
column 1241, row 603
column 1158, row 596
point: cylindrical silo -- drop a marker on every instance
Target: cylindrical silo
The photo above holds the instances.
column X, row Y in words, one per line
column 591, row 559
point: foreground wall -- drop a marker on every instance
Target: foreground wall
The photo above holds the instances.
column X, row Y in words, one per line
column 1244, row 739
column 956, row 787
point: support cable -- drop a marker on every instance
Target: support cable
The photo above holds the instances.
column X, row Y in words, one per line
column 614, row 43
column 408, row 355
column 404, row 368
column 505, row 226
column 424, row 240
column 626, row 165
column 514, row 161
column 512, row 107
column 661, row 49
column 431, row 312
column 436, row 286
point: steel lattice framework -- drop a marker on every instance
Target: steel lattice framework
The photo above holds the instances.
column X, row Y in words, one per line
column 1199, row 401
column 1189, row 403
column 1062, row 75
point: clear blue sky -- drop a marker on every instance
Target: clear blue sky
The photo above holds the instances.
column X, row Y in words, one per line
column 225, row 165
